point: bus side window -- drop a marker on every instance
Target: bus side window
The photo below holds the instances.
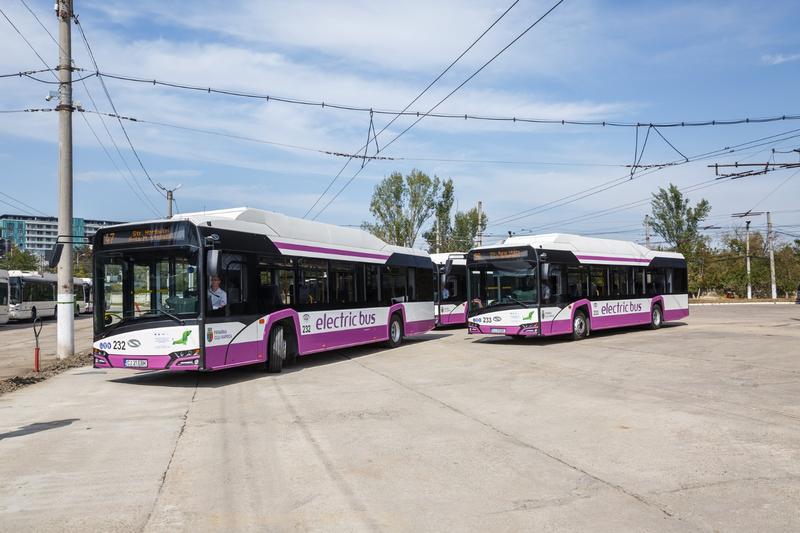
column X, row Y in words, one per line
column 576, row 282
column 598, row 287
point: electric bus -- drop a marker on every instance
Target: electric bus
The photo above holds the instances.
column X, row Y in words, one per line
column 450, row 273
column 226, row 288
column 31, row 295
column 559, row 284
column 3, row 296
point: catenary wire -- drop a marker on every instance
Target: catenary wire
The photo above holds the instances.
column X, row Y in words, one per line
column 441, row 101
column 405, row 109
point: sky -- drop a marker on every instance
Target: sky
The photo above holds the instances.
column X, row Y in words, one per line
column 632, row 62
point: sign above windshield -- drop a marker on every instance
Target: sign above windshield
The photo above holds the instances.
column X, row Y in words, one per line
column 500, row 253
column 153, row 234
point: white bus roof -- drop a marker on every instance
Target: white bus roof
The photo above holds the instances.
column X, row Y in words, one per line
column 297, row 236
column 458, row 258
column 588, row 249
column 47, row 276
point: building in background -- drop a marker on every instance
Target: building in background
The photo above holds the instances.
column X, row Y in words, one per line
column 38, row 234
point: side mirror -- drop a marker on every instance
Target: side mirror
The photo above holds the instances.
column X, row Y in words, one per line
column 448, row 266
column 213, row 263
column 55, row 255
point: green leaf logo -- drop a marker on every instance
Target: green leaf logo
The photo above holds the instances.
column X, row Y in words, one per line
column 184, row 337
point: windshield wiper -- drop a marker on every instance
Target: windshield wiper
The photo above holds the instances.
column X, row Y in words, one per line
column 173, row 317
column 517, row 301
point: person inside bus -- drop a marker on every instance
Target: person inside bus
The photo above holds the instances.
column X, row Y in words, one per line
column 216, row 295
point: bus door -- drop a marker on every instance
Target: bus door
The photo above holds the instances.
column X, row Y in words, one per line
column 233, row 332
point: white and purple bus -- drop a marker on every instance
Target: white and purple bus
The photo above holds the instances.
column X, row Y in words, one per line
column 282, row 287
column 559, row 284
column 450, row 272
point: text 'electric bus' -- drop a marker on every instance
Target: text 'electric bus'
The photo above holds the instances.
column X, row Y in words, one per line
column 213, row 290
column 560, row 284
column 450, row 272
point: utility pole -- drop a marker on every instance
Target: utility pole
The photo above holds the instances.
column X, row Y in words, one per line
column 770, row 239
column 747, row 258
column 479, row 234
column 438, row 235
column 647, row 231
column 170, row 199
column 65, row 335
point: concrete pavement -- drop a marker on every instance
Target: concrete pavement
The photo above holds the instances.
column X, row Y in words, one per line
column 693, row 427
column 17, row 342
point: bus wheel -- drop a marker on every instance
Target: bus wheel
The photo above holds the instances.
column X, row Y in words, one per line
column 395, row 332
column 656, row 317
column 580, row 326
column 277, row 350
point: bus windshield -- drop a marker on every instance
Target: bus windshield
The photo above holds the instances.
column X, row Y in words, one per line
column 506, row 282
column 135, row 286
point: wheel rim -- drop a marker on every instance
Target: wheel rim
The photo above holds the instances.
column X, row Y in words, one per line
column 657, row 316
column 278, row 344
column 395, row 331
column 580, row 325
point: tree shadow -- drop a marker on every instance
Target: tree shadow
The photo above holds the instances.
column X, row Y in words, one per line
column 243, row 374
column 37, row 427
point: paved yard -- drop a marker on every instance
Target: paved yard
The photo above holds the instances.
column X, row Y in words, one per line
column 693, row 427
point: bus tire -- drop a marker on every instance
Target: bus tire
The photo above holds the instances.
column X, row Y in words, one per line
column 277, row 349
column 292, row 345
column 656, row 317
column 580, row 326
column 395, row 331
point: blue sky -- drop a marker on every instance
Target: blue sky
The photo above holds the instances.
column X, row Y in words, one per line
column 626, row 61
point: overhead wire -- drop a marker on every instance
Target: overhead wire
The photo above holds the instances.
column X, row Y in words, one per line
column 405, row 109
column 143, row 196
column 441, row 101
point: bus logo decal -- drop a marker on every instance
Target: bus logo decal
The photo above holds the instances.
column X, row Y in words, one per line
column 133, row 343
column 209, row 335
column 184, row 337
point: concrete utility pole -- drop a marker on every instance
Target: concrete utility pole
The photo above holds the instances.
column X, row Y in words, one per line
column 170, row 199
column 647, row 231
column 65, row 337
column 770, row 239
column 747, row 258
column 479, row 234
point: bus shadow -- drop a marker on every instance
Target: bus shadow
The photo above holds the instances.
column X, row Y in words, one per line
column 547, row 341
column 243, row 374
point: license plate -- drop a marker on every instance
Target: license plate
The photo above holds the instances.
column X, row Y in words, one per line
column 136, row 363
column 498, row 330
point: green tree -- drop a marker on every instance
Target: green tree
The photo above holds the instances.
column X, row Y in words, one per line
column 465, row 228
column 677, row 223
column 401, row 205
column 441, row 221
column 16, row 259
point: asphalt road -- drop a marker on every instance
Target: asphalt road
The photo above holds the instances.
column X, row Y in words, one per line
column 693, row 427
column 17, row 343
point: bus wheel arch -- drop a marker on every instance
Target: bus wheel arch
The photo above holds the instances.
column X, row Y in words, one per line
column 581, row 323
column 277, row 348
column 396, row 332
column 656, row 315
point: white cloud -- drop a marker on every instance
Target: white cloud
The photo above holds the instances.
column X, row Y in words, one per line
column 779, row 59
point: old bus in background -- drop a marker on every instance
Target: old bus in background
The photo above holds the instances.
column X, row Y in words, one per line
column 4, row 296
column 559, row 284
column 450, row 278
column 31, row 295
column 290, row 287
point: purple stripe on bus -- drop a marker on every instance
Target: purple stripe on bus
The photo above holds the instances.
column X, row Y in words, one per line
column 607, row 258
column 675, row 314
column 323, row 250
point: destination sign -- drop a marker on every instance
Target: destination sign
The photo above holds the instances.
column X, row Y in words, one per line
column 500, row 253
column 145, row 235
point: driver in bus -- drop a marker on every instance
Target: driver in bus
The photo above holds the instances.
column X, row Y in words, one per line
column 216, row 295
